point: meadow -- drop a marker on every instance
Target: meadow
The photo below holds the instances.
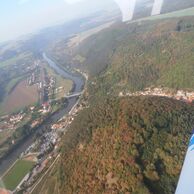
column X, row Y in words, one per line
column 15, row 175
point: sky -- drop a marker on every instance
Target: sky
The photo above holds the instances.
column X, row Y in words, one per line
column 20, row 17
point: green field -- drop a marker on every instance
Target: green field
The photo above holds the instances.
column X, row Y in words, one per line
column 15, row 175
column 13, row 60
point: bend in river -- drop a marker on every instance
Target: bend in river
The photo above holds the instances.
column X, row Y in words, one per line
column 78, row 82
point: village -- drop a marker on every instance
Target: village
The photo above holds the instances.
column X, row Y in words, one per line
column 186, row 96
column 45, row 148
column 53, row 96
column 11, row 122
column 47, row 89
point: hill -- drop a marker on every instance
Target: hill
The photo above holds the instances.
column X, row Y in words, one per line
column 173, row 5
column 144, row 7
column 138, row 55
column 143, row 54
column 130, row 145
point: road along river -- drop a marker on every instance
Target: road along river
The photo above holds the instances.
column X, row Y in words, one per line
column 79, row 82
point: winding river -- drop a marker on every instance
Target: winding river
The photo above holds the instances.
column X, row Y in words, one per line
column 78, row 81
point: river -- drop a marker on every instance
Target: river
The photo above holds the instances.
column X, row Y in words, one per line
column 78, row 81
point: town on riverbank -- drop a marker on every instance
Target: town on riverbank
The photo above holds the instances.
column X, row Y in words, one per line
column 41, row 153
column 184, row 95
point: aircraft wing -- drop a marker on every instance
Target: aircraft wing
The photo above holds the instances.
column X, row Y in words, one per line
column 186, row 180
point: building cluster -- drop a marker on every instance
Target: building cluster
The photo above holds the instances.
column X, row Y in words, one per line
column 58, row 126
column 46, row 108
column 31, row 79
column 67, row 120
column 48, row 141
column 42, row 146
column 15, row 119
column 46, row 87
column 34, row 71
column 11, row 121
column 45, row 83
column 29, row 150
column 49, row 83
column 46, row 146
column 35, row 123
column 186, row 96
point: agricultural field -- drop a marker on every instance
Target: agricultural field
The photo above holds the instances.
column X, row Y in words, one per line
column 15, row 175
column 21, row 96
column 13, row 83
column 13, row 71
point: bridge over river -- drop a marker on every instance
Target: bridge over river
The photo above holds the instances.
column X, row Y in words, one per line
column 74, row 95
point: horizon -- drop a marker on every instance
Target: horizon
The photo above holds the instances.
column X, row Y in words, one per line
column 33, row 16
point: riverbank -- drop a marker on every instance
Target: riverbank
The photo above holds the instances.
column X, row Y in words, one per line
column 79, row 83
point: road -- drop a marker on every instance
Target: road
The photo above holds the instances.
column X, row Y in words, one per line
column 54, row 162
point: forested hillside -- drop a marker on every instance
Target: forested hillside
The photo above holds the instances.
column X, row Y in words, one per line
column 139, row 55
column 133, row 145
